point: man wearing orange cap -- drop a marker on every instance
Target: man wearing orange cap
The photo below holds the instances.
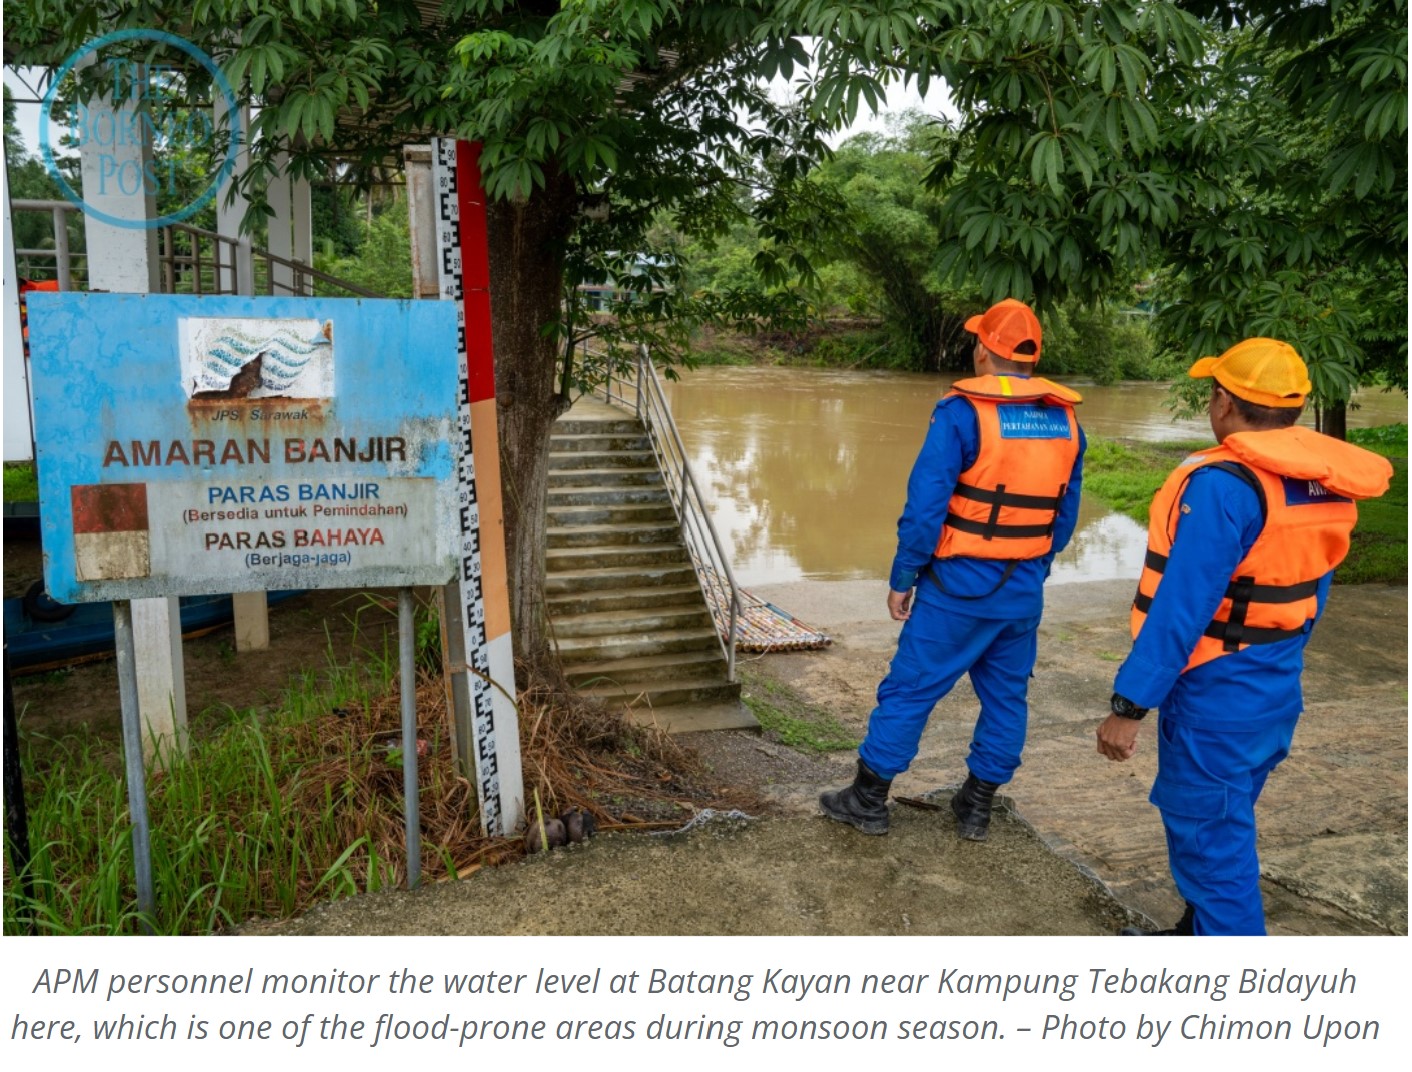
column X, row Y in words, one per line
column 993, row 496
column 1242, row 542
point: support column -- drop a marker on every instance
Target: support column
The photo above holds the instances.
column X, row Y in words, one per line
column 19, row 435
column 250, row 610
column 302, row 216
column 124, row 260
column 237, row 277
column 280, row 238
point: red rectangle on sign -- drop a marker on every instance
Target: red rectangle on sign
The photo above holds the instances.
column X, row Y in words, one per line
column 109, row 507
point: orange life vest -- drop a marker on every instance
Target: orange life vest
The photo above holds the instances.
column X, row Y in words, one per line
column 1004, row 506
column 26, row 285
column 1307, row 484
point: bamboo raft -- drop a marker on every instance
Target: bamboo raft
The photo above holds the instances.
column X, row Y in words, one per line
column 762, row 626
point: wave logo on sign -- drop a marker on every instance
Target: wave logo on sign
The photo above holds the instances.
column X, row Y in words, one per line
column 233, row 358
column 140, row 105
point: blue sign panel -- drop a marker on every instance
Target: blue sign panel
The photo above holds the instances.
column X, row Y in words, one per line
column 1308, row 492
column 1029, row 421
column 190, row 445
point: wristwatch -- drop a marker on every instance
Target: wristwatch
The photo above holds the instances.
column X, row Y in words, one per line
column 1121, row 706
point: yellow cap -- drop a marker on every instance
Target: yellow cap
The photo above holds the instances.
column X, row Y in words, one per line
column 1266, row 372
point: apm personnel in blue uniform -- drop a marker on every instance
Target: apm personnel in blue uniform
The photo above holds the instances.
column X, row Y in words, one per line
column 993, row 496
column 1242, row 541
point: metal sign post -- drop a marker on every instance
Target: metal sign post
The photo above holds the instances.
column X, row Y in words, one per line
column 132, row 757
column 406, row 635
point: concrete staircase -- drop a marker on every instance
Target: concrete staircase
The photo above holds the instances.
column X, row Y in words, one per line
column 624, row 604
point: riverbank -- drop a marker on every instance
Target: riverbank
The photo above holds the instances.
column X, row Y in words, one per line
column 1124, row 474
column 1082, row 854
column 1081, row 851
column 1104, row 348
column 1333, row 819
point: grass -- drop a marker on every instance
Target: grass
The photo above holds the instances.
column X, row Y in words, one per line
column 1379, row 550
column 792, row 719
column 270, row 814
column 1125, row 475
column 262, row 818
column 21, row 482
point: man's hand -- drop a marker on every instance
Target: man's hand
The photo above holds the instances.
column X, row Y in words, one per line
column 899, row 605
column 1117, row 738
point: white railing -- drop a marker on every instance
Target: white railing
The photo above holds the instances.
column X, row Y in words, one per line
column 192, row 261
column 641, row 392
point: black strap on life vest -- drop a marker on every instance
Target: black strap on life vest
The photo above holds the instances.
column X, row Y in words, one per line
column 1255, row 593
column 1241, row 591
column 930, row 571
column 998, row 498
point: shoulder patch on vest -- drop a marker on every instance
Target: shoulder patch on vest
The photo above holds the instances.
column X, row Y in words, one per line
column 1308, row 492
column 1025, row 421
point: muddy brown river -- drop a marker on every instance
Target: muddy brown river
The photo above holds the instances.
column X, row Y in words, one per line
column 806, row 469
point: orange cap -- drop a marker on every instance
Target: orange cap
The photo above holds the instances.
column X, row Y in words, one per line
column 1264, row 371
column 1004, row 326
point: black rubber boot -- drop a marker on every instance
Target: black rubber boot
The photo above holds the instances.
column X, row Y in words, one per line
column 971, row 806
column 862, row 805
column 1185, row 928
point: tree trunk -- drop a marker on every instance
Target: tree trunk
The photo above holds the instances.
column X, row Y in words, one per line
column 1333, row 420
column 527, row 241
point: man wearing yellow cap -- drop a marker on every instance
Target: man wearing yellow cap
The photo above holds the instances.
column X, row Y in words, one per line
column 1242, row 542
column 993, row 496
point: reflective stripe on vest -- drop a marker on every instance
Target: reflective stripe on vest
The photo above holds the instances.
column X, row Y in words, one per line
column 1006, row 504
column 1272, row 594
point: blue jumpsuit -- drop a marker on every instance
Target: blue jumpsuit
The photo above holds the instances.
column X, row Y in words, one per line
column 978, row 625
column 1225, row 724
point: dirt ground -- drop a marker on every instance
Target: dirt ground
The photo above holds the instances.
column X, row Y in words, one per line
column 1082, row 853
column 1333, row 818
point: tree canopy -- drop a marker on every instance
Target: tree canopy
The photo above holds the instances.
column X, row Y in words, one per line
column 1249, row 155
column 628, row 106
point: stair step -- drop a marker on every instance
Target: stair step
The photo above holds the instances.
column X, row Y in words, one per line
column 611, row 441
column 625, row 426
column 608, row 495
column 560, row 460
column 592, row 602
column 623, row 597
column 702, row 663
column 666, row 693
column 658, row 642
column 646, row 554
column 568, row 479
column 610, row 514
column 609, row 623
column 610, row 535
column 616, row 578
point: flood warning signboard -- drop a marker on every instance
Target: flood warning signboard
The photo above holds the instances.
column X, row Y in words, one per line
column 191, row 445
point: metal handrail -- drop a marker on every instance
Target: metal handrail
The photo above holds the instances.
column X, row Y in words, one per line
column 63, row 260
column 219, row 262
column 703, row 543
